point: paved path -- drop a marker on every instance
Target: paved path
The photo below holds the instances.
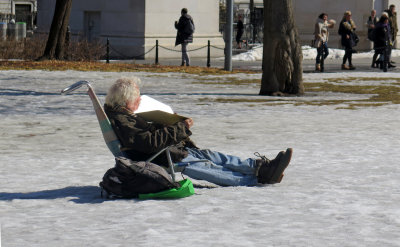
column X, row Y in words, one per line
column 331, row 65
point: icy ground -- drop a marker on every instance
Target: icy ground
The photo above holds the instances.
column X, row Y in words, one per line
column 342, row 187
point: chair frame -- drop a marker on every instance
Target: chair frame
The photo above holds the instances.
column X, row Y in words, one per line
column 111, row 139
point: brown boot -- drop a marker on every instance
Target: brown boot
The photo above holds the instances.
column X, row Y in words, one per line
column 318, row 67
column 345, row 67
column 271, row 171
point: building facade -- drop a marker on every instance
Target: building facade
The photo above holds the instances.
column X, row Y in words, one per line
column 307, row 11
column 133, row 26
column 17, row 18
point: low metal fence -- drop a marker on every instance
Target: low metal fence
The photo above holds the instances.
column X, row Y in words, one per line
column 156, row 47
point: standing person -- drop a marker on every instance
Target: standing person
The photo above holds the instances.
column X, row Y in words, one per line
column 239, row 33
column 349, row 39
column 141, row 140
column 321, row 38
column 393, row 23
column 392, row 14
column 184, row 36
column 382, row 41
column 371, row 23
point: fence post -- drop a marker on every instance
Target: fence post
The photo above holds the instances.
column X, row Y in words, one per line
column 108, row 51
column 156, row 62
column 208, row 54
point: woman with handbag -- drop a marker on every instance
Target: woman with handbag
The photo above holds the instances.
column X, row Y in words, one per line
column 350, row 39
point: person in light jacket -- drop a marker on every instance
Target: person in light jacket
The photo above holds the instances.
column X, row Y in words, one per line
column 321, row 38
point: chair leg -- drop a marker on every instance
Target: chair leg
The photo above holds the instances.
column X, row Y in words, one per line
column 171, row 165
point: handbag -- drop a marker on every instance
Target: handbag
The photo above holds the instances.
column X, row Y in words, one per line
column 315, row 43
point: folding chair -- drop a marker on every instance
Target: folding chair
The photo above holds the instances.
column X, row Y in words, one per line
column 109, row 135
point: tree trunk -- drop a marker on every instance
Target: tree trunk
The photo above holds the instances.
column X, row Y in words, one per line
column 282, row 55
column 55, row 46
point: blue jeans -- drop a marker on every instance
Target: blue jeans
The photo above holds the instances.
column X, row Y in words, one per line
column 324, row 48
column 221, row 169
column 185, row 55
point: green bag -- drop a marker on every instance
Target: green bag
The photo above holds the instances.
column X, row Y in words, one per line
column 185, row 190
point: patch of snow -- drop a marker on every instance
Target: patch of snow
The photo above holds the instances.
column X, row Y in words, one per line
column 341, row 188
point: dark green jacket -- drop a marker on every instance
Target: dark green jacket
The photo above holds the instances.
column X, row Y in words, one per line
column 393, row 24
column 140, row 139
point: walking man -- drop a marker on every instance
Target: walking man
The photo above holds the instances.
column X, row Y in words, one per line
column 184, row 36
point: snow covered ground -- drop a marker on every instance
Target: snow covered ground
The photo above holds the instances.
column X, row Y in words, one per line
column 342, row 187
column 256, row 53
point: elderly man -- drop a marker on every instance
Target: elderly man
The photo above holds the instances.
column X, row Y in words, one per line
column 141, row 139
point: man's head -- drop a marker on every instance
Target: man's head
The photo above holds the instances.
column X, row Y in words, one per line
column 124, row 92
column 373, row 12
column 392, row 8
column 184, row 11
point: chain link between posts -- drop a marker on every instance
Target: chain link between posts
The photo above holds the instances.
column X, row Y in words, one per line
column 134, row 57
column 169, row 49
column 208, row 46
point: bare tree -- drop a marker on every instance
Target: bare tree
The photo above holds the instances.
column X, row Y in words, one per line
column 282, row 55
column 56, row 42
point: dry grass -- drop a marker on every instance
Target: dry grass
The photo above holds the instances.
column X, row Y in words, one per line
column 376, row 95
column 111, row 67
column 33, row 47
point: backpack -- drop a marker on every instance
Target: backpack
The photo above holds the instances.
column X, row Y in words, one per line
column 128, row 179
column 372, row 34
column 189, row 27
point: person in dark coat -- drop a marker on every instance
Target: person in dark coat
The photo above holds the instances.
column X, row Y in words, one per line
column 349, row 39
column 382, row 41
column 141, row 140
column 239, row 33
column 371, row 22
column 184, row 35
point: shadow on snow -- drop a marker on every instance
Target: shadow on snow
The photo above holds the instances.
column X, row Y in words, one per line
column 78, row 194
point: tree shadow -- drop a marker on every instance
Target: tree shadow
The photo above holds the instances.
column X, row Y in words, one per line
column 20, row 92
column 77, row 194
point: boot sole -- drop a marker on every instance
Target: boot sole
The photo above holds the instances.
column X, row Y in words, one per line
column 283, row 163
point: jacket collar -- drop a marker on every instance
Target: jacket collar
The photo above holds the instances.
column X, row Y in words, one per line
column 118, row 109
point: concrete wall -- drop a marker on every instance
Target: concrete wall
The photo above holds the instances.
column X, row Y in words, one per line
column 161, row 16
column 307, row 11
column 133, row 26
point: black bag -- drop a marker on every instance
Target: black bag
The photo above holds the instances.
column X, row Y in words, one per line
column 189, row 27
column 129, row 178
column 372, row 34
column 355, row 38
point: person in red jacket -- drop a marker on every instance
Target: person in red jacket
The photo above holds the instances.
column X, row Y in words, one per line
column 141, row 139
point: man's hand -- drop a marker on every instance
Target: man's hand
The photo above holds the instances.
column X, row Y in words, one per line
column 189, row 123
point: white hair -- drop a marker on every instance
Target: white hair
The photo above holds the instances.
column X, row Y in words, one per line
column 123, row 90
